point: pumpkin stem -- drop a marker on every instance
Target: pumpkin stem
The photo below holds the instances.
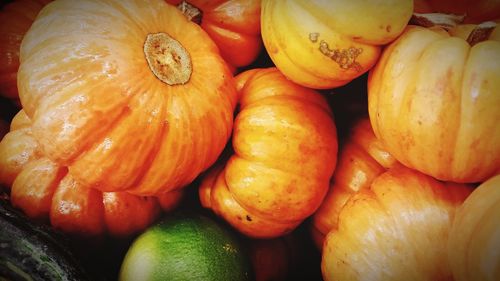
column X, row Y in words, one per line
column 446, row 21
column 481, row 33
column 168, row 59
column 192, row 12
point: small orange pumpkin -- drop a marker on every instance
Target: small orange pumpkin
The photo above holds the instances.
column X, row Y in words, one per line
column 362, row 159
column 326, row 44
column 129, row 95
column 16, row 18
column 433, row 101
column 285, row 149
column 474, row 236
column 45, row 190
column 234, row 25
column 397, row 229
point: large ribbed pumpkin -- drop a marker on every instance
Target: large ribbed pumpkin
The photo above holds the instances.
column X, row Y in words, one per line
column 129, row 95
column 45, row 191
column 285, row 151
column 433, row 100
column 396, row 229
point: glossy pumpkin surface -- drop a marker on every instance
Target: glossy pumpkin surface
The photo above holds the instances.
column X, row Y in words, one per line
column 474, row 237
column 475, row 11
column 234, row 25
column 362, row 158
column 397, row 229
column 326, row 44
column 285, row 150
column 16, row 18
column 433, row 101
column 129, row 95
column 45, row 191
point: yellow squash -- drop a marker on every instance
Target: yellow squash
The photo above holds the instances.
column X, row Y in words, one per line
column 326, row 44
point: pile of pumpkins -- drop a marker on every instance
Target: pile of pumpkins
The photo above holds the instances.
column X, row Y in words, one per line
column 124, row 103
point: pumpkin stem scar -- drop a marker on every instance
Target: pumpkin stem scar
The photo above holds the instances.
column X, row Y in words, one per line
column 481, row 32
column 192, row 12
column 168, row 59
column 346, row 58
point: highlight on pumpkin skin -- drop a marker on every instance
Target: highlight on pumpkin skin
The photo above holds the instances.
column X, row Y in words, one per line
column 326, row 44
column 285, row 150
column 433, row 101
column 362, row 159
column 474, row 241
column 90, row 87
column 234, row 25
column 397, row 229
column 45, row 191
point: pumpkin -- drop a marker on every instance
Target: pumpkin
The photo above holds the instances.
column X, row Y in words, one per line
column 433, row 101
column 234, row 25
column 474, row 236
column 16, row 18
column 128, row 95
column 285, row 149
column 326, row 44
column 396, row 229
column 45, row 191
column 362, row 158
column 475, row 11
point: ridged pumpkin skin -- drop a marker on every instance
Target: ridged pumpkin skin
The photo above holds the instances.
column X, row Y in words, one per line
column 475, row 11
column 45, row 190
column 16, row 18
column 397, row 229
column 234, row 25
column 362, row 158
column 326, row 44
column 474, row 236
column 285, row 150
column 433, row 101
column 86, row 81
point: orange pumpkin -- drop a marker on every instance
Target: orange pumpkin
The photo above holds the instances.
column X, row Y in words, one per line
column 475, row 11
column 16, row 18
column 397, row 229
column 433, row 101
column 362, row 159
column 129, row 95
column 474, row 236
column 326, row 44
column 234, row 25
column 45, row 190
column 285, row 149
